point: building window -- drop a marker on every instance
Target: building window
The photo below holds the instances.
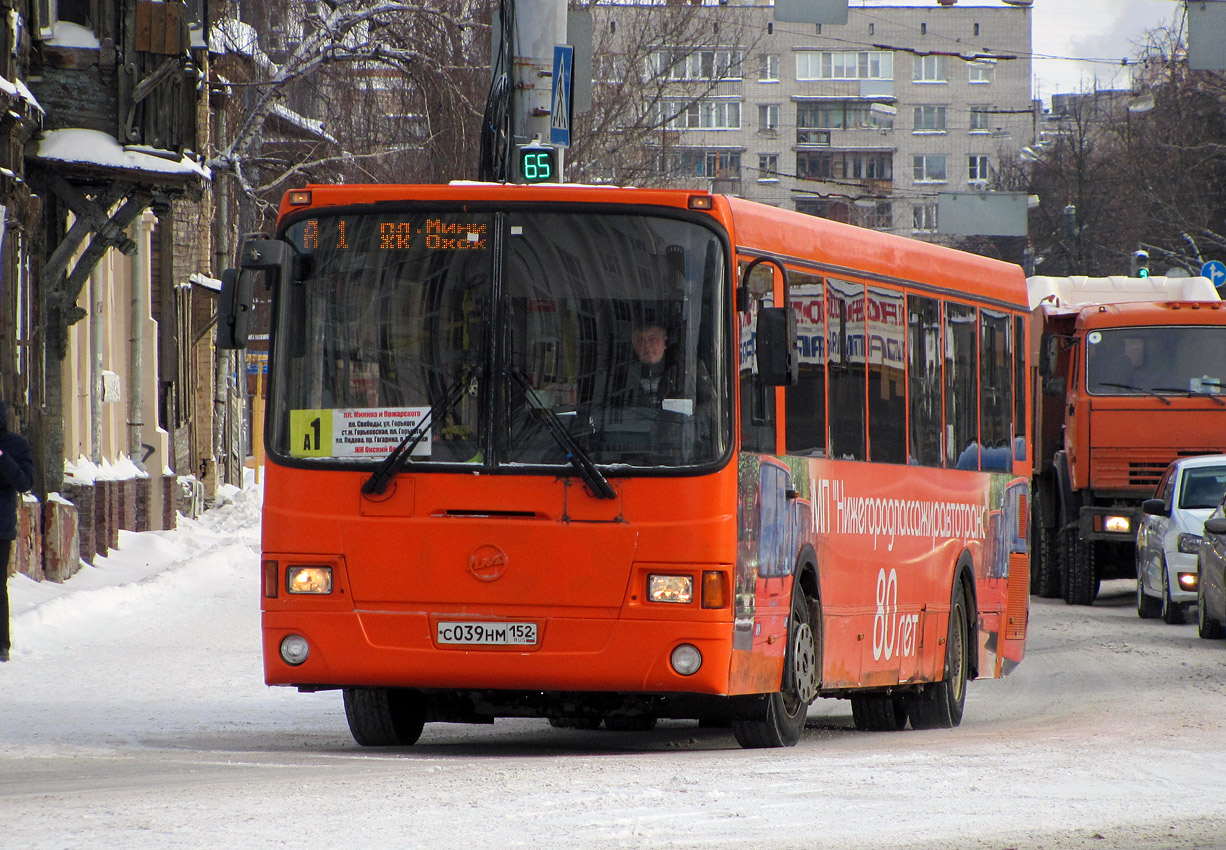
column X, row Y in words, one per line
column 842, row 115
column 924, row 217
column 768, row 168
column 768, row 117
column 979, row 119
column 701, row 114
column 929, row 119
column 844, row 65
column 694, row 162
column 929, row 69
column 981, row 72
column 878, row 215
column 768, row 70
column 929, row 168
column 845, row 165
column 698, row 65
column 977, row 170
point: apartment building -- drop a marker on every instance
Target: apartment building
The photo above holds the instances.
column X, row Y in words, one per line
column 866, row 122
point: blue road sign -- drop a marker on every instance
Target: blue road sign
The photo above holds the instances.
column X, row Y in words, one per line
column 559, row 110
column 1215, row 270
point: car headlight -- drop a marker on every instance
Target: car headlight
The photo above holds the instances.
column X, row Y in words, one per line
column 308, row 579
column 1189, row 544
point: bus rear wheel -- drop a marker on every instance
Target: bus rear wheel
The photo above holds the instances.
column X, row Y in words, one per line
column 782, row 714
column 872, row 713
column 940, row 704
column 385, row 717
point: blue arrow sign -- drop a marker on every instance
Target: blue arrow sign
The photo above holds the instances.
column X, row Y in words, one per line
column 559, row 110
column 1215, row 270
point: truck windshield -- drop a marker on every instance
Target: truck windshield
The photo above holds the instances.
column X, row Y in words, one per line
column 607, row 324
column 1164, row 360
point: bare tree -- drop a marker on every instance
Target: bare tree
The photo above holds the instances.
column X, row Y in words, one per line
column 370, row 90
column 654, row 65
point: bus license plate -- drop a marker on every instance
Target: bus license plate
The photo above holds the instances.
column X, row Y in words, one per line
column 488, row 634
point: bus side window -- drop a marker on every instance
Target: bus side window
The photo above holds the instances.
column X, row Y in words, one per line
column 1019, row 388
column 961, row 387
column 924, row 349
column 996, row 391
column 845, row 333
column 757, row 401
column 887, row 395
column 806, row 400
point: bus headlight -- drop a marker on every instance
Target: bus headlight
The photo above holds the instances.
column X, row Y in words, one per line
column 686, row 659
column 670, row 588
column 294, row 649
column 312, row 579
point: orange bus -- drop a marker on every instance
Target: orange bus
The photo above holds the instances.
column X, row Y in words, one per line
column 606, row 456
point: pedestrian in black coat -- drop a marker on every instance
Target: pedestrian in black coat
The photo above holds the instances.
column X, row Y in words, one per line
column 16, row 477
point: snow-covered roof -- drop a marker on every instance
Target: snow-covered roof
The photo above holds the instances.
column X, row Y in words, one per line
column 17, row 89
column 233, row 36
column 68, row 34
column 203, row 280
column 312, row 125
column 97, row 148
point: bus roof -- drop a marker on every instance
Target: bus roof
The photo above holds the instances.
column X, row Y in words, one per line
column 332, row 194
column 830, row 243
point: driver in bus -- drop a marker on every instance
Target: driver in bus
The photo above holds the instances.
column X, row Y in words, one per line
column 655, row 379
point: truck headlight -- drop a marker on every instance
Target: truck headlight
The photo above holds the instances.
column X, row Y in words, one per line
column 670, row 588
column 1117, row 524
column 308, row 579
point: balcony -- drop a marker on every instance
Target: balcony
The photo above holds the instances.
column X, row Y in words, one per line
column 814, row 138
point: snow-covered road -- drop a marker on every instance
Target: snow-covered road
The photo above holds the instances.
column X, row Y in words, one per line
column 134, row 715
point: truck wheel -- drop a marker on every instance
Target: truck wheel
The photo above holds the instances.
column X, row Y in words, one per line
column 1044, row 564
column 1077, row 580
column 940, row 704
column 385, row 717
column 782, row 714
column 874, row 713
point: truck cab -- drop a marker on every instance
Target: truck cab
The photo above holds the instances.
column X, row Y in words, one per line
column 1131, row 376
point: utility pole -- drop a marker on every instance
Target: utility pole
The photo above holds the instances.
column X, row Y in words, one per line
column 539, row 25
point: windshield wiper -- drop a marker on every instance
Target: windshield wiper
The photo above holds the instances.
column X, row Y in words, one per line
column 398, row 458
column 1160, row 398
column 596, row 482
column 1191, row 392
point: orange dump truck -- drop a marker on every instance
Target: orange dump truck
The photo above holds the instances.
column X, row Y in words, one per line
column 1131, row 375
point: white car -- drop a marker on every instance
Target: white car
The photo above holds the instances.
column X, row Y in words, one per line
column 1169, row 537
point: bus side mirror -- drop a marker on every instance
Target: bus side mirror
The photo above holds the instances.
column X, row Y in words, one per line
column 234, row 309
column 778, row 365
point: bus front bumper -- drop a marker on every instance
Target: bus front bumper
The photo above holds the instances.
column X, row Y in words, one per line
column 403, row 650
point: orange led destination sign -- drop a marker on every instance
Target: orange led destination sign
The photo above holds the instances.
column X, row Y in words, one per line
column 434, row 234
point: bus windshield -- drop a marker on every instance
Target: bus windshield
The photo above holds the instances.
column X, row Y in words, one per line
column 483, row 332
column 1157, row 360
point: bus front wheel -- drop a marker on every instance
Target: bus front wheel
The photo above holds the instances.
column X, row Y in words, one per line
column 940, row 704
column 782, row 715
column 385, row 717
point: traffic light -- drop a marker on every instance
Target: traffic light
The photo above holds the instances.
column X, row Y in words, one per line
column 1140, row 263
column 536, row 163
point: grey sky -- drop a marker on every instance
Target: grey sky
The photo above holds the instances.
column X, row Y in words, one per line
column 1099, row 29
